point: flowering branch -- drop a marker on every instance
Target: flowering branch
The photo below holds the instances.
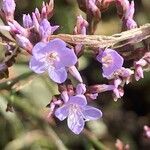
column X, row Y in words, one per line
column 117, row 40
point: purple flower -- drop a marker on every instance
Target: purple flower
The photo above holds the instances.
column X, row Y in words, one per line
column 77, row 112
column 111, row 61
column 54, row 57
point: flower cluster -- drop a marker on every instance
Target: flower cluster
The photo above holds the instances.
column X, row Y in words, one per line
column 59, row 58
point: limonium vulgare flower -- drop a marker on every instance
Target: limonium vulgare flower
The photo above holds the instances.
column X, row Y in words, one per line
column 77, row 112
column 53, row 56
column 111, row 61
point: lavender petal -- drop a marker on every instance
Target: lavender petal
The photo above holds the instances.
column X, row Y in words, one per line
column 91, row 113
column 62, row 112
column 36, row 66
column 57, row 75
column 78, row 99
column 75, row 122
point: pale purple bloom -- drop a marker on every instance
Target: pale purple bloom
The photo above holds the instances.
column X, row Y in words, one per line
column 54, row 57
column 111, row 61
column 77, row 112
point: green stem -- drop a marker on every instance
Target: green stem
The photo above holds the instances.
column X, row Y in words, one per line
column 94, row 140
column 6, row 85
column 25, row 107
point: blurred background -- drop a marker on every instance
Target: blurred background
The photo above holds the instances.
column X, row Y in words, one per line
column 24, row 126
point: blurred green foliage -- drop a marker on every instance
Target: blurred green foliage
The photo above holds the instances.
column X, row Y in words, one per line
column 27, row 128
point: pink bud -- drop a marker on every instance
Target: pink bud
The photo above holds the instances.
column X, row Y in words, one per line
column 138, row 73
column 147, row 131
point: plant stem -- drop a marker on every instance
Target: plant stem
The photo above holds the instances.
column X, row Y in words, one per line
column 94, row 140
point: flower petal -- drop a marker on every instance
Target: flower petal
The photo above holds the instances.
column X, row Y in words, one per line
column 115, row 65
column 78, row 99
column 91, row 113
column 68, row 57
column 75, row 122
column 38, row 50
column 36, row 66
column 57, row 75
column 62, row 112
column 55, row 45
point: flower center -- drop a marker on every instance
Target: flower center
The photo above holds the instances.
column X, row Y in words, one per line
column 107, row 60
column 52, row 57
column 74, row 108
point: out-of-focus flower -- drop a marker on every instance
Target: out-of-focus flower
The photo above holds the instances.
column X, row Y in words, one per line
column 8, row 6
column 47, row 9
column 121, row 146
column 54, row 57
column 147, row 131
column 122, row 7
column 91, row 4
column 77, row 112
column 111, row 61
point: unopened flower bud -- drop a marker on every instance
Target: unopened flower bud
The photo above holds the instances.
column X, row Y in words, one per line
column 8, row 6
column 27, row 21
column 75, row 73
column 80, row 88
column 81, row 26
column 138, row 73
column 99, row 88
column 24, row 43
column 64, row 96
